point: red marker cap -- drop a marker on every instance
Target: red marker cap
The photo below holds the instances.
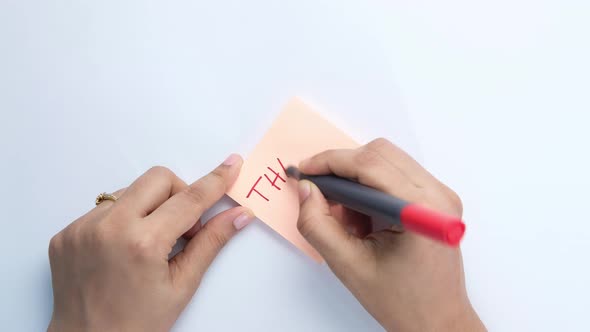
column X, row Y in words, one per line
column 439, row 226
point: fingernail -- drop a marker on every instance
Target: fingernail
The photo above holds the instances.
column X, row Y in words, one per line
column 232, row 159
column 243, row 220
column 304, row 190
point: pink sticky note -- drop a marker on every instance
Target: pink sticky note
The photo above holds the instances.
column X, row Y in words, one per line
column 262, row 186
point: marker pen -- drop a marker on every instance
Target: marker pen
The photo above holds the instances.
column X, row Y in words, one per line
column 372, row 202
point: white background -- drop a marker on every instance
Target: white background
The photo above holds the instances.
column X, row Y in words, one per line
column 492, row 97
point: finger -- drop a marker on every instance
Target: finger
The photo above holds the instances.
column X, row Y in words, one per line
column 324, row 232
column 354, row 222
column 193, row 230
column 106, row 204
column 96, row 214
column 413, row 170
column 401, row 160
column 93, row 216
column 189, row 266
column 179, row 213
column 365, row 166
column 150, row 190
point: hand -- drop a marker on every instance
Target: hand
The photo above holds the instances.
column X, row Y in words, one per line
column 407, row 282
column 110, row 268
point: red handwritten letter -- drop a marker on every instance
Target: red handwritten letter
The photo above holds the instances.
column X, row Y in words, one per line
column 254, row 189
column 272, row 182
column 277, row 176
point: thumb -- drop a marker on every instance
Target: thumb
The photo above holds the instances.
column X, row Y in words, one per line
column 328, row 236
column 200, row 251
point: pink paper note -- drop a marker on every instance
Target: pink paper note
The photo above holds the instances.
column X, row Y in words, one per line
column 262, row 186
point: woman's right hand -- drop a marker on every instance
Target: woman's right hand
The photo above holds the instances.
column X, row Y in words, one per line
column 407, row 282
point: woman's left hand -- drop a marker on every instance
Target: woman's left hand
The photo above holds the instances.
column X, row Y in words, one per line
column 110, row 268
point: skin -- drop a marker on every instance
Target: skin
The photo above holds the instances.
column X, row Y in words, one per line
column 407, row 282
column 111, row 272
column 110, row 269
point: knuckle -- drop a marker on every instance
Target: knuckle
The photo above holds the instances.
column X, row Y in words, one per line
column 325, row 155
column 160, row 171
column 455, row 200
column 446, row 199
column 213, row 184
column 142, row 247
column 367, row 157
column 55, row 244
column 217, row 180
column 217, row 240
column 195, row 194
column 72, row 235
column 379, row 143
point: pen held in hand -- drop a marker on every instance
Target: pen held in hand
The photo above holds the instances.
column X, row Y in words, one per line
column 372, row 202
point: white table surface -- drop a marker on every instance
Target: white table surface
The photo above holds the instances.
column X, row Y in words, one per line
column 491, row 96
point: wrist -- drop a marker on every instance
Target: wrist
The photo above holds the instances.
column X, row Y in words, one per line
column 461, row 319
column 56, row 326
column 467, row 320
column 67, row 325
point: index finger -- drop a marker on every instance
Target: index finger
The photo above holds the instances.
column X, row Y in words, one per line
column 150, row 190
column 365, row 166
column 179, row 213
